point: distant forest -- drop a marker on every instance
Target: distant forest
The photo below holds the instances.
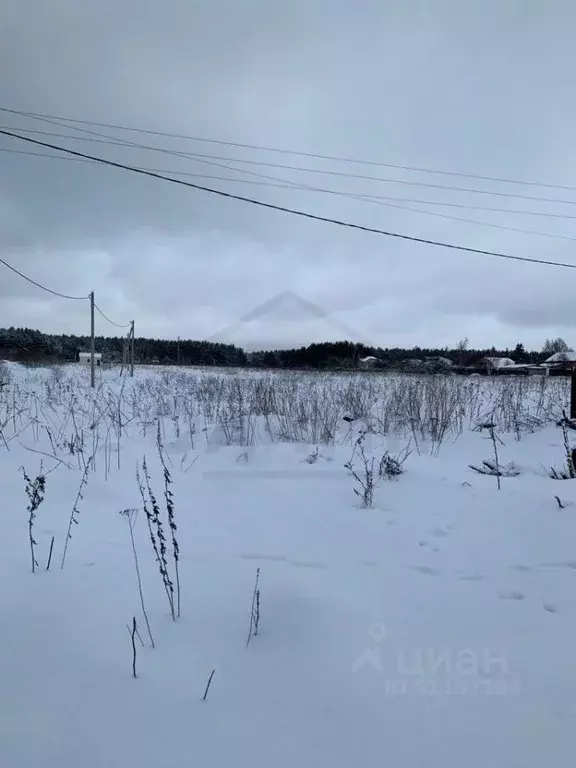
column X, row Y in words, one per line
column 28, row 345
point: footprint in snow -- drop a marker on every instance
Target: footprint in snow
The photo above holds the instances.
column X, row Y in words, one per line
column 512, row 595
column 550, row 608
column 438, row 532
column 282, row 559
column 426, row 570
column 523, row 568
column 275, row 558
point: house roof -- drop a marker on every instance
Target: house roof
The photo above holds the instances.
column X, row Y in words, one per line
column 562, row 357
column 498, row 362
column 439, row 359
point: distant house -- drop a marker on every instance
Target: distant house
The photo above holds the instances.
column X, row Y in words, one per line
column 496, row 364
column 84, row 358
column 438, row 363
column 561, row 362
column 412, row 362
column 531, row 369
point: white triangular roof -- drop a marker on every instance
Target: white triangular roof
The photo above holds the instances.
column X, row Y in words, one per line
column 561, row 357
column 499, row 362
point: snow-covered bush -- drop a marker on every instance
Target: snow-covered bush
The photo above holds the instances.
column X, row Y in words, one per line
column 5, row 376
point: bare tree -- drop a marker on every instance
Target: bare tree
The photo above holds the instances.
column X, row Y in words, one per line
column 554, row 346
column 462, row 346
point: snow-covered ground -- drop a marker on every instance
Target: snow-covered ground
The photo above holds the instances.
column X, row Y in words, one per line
column 434, row 629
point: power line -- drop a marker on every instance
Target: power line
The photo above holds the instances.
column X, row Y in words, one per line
column 118, row 325
column 201, row 157
column 262, row 148
column 286, row 184
column 376, row 199
column 492, row 224
column 38, row 285
column 60, row 295
column 283, row 209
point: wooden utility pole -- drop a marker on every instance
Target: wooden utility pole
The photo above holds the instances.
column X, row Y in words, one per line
column 125, row 352
column 92, row 344
column 178, row 352
column 132, row 348
column 573, row 395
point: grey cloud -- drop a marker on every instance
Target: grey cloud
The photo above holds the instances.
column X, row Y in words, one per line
column 481, row 88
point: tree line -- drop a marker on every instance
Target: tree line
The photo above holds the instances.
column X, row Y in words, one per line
column 29, row 345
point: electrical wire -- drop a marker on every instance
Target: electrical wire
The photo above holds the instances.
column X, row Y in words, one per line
column 201, row 157
column 61, row 295
column 118, row 325
column 39, row 285
column 262, row 148
column 284, row 209
column 286, row 184
column 376, row 199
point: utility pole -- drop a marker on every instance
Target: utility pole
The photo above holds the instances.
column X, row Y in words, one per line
column 178, row 351
column 92, row 343
column 125, row 352
column 132, row 348
column 573, row 395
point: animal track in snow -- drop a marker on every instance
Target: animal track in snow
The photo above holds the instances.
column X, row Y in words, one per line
column 426, row 570
column 512, row 595
column 282, row 559
column 550, row 608
column 438, row 532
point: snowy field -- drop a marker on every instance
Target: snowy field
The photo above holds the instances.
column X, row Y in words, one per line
column 426, row 621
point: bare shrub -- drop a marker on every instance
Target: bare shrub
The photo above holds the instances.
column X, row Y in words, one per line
column 5, row 374
column 35, row 490
column 569, row 470
column 365, row 474
column 391, row 466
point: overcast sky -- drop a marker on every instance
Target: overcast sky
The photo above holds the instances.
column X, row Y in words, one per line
column 479, row 87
